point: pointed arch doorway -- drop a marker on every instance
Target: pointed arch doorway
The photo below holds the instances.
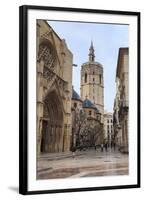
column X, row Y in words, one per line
column 52, row 124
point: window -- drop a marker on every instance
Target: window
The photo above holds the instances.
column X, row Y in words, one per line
column 107, row 121
column 90, row 112
column 100, row 77
column 111, row 121
column 93, row 79
column 75, row 105
column 85, row 77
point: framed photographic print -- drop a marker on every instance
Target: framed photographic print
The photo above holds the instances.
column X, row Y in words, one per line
column 79, row 100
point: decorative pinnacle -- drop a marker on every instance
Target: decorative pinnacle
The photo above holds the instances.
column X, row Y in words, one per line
column 91, row 53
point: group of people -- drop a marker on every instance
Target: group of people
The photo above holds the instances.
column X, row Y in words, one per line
column 103, row 147
column 106, row 145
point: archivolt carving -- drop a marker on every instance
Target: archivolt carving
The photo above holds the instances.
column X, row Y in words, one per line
column 53, row 78
column 47, row 54
column 61, row 83
column 53, row 109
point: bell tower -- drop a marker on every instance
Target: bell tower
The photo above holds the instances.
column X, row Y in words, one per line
column 92, row 84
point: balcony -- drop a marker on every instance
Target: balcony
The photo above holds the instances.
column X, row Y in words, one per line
column 123, row 107
column 125, row 104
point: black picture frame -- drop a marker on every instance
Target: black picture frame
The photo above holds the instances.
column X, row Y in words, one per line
column 23, row 97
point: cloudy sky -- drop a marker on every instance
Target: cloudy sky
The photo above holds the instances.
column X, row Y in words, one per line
column 107, row 39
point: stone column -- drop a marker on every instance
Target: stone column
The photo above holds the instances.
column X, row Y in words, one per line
column 61, row 133
column 57, row 138
column 39, row 136
column 47, row 138
column 54, row 139
column 51, row 139
column 40, row 67
column 67, row 138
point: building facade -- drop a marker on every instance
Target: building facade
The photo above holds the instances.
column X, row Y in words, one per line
column 121, row 104
column 87, row 129
column 76, row 109
column 92, row 94
column 108, row 127
column 54, row 90
column 116, row 123
column 92, row 84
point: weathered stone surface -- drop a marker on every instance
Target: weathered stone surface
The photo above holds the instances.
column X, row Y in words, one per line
column 54, row 90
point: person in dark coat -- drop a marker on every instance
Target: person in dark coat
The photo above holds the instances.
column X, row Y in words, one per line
column 95, row 147
column 114, row 145
column 73, row 149
column 106, row 146
column 102, row 147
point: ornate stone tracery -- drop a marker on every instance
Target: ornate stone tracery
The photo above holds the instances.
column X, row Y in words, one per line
column 48, row 74
column 47, row 54
column 52, row 77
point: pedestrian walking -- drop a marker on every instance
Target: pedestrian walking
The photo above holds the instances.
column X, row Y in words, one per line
column 95, row 147
column 102, row 147
column 106, row 146
column 114, row 145
column 73, row 151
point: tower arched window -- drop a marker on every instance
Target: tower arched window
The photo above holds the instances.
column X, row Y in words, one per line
column 85, row 78
column 100, row 78
column 75, row 105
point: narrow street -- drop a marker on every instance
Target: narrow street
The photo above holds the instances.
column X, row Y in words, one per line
column 87, row 163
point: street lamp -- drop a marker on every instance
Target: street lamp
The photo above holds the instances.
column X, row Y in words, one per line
column 74, row 65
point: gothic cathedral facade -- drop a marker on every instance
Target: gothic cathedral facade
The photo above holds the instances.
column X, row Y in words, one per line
column 54, row 91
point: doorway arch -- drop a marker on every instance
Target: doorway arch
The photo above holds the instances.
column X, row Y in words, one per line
column 52, row 124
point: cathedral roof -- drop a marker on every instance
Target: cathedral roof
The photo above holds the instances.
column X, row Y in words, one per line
column 75, row 95
column 88, row 104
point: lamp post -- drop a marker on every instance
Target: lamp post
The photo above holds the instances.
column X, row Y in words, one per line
column 74, row 65
column 73, row 129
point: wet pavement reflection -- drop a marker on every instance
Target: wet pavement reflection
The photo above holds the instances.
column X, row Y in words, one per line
column 85, row 164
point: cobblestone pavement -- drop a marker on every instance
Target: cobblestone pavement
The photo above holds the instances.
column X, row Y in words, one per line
column 85, row 164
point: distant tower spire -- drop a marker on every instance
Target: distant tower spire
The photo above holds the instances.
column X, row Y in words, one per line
column 91, row 53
